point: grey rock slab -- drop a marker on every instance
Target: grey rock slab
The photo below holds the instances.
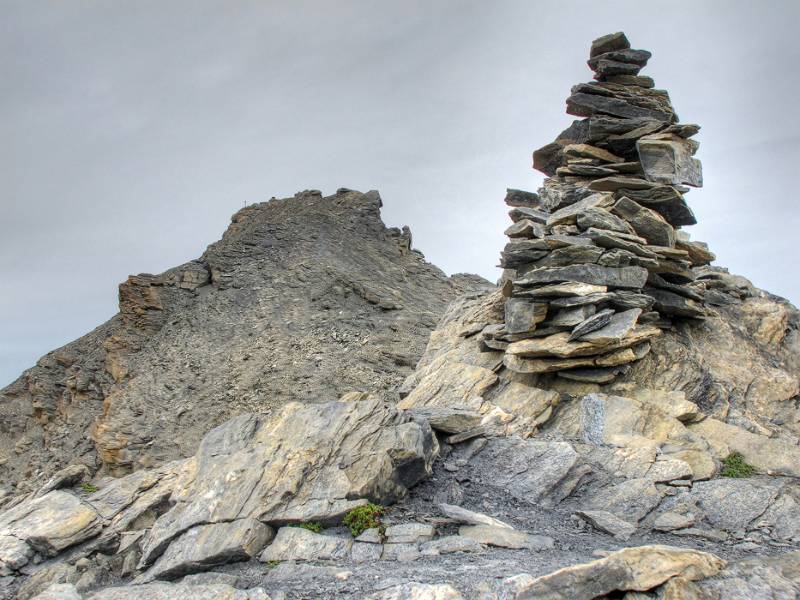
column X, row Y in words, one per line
column 602, row 219
column 631, row 569
column 463, row 515
column 732, row 504
column 609, row 43
column 206, row 546
column 670, row 161
column 671, row 520
column 400, row 552
column 371, row 536
column 596, row 321
column 571, row 317
column 665, row 200
column 505, row 538
column 582, row 104
column 630, row 501
column 569, row 214
column 604, row 67
column 625, row 55
column 670, row 303
column 608, row 523
column 418, row 591
column 571, row 288
column 50, row 523
column 622, row 277
column 478, row 431
column 598, row 375
column 178, row 591
column 301, row 463
column 669, row 469
column 296, row 543
column 449, row 545
column 646, row 222
column 66, row 477
column 534, row 471
column 59, row 591
column 447, row 419
column 365, row 552
column 522, row 315
column 409, row 533
column 618, row 328
column 522, row 198
column 526, row 228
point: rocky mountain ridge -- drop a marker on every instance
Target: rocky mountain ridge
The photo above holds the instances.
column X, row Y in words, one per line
column 667, row 468
column 303, row 299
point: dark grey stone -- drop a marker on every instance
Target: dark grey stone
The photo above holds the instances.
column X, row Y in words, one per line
column 623, row 277
column 596, row 321
column 609, row 43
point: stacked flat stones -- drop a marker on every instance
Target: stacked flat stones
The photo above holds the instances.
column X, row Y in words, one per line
column 596, row 265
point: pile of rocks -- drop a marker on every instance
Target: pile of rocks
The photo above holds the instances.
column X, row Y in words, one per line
column 596, row 264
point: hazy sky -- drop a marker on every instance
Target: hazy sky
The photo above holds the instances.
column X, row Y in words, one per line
column 132, row 130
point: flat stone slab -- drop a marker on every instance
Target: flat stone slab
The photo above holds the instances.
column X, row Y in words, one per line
column 296, row 543
column 462, row 515
column 505, row 538
column 206, row 546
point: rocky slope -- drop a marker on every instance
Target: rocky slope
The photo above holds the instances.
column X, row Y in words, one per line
column 667, row 468
column 302, row 299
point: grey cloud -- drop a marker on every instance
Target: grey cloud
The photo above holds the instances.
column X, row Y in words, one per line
column 133, row 130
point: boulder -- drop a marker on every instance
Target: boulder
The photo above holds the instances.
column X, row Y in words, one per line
column 296, row 543
column 205, row 546
column 418, row 591
column 302, row 463
column 462, row 515
column 608, row 523
column 669, row 160
column 48, row 524
column 503, row 537
column 631, row 569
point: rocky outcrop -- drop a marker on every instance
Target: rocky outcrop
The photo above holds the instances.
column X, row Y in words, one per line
column 303, row 299
column 305, row 463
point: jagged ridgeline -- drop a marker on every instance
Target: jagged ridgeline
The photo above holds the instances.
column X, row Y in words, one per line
column 597, row 264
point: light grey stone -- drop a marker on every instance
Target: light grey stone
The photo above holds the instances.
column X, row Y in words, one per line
column 462, row 515
column 206, row 546
column 608, row 523
column 400, row 552
column 365, row 552
column 418, row 591
column 450, row 544
column 296, row 543
column 505, row 538
column 409, row 533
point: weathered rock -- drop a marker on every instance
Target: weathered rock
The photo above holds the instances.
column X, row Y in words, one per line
column 409, row 533
column 571, row 288
column 462, row 515
column 624, row 277
column 400, row 552
column 569, row 214
column 624, row 55
column 646, row 222
column 669, row 160
column 602, row 219
column 59, row 591
column 670, row 521
column 638, row 569
column 575, row 316
column 504, row 537
column 365, row 552
column 448, row 419
column 450, row 544
column 296, row 543
column 206, row 546
column 596, row 321
column 48, row 524
column 608, row 523
column 66, row 477
column 732, row 504
column 534, row 472
column 766, row 454
column 609, row 43
column 179, row 591
column 619, row 327
column 418, row 591
column 559, row 345
column 523, row 315
column 301, row 464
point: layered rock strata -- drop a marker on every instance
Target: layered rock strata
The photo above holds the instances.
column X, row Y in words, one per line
column 597, row 266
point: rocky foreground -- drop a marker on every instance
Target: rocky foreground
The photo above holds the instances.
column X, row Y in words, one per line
column 619, row 419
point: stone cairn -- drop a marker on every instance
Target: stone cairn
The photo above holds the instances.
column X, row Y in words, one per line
column 596, row 265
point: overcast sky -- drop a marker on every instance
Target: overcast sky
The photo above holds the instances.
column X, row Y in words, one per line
column 132, row 130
